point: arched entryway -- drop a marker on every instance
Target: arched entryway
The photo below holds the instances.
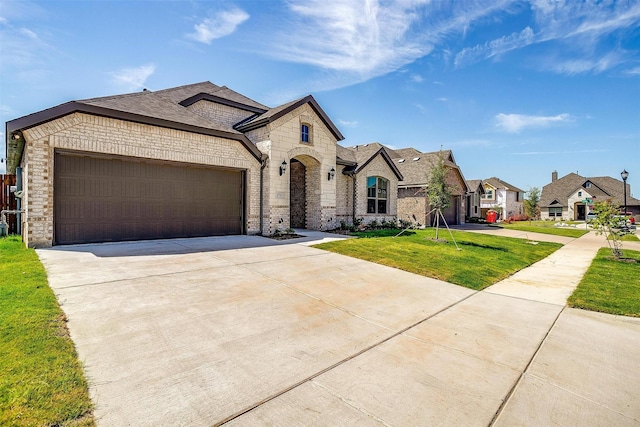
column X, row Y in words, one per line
column 304, row 193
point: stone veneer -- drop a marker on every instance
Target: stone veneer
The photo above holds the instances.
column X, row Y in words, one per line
column 377, row 167
column 95, row 134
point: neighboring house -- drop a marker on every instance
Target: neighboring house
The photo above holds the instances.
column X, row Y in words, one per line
column 476, row 191
column 195, row 160
column 564, row 198
column 412, row 198
column 502, row 197
column 406, row 170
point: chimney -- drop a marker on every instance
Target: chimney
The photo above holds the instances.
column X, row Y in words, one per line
column 554, row 176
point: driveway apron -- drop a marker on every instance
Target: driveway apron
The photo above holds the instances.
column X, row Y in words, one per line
column 247, row 331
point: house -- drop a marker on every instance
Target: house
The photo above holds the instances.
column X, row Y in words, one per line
column 573, row 196
column 408, row 196
column 412, row 198
column 476, row 191
column 502, row 197
column 194, row 160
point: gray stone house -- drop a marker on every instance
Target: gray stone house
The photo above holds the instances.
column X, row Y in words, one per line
column 564, row 198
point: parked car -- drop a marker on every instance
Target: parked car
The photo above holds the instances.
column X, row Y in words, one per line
column 624, row 222
column 591, row 216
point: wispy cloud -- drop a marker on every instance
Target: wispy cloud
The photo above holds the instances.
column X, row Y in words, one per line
column 514, row 123
column 576, row 31
column 130, row 79
column 221, row 24
column 495, row 47
column 442, row 99
column 347, row 123
column 417, row 78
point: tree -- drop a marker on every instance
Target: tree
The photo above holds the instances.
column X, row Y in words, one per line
column 438, row 190
column 607, row 217
column 531, row 202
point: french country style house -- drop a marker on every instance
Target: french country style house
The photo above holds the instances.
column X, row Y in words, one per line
column 197, row 160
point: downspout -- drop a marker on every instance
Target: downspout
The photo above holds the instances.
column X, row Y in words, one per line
column 19, row 200
column 263, row 164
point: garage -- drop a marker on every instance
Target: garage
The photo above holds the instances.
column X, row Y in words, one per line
column 113, row 198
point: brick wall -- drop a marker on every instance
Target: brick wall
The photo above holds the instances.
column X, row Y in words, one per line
column 223, row 115
column 82, row 132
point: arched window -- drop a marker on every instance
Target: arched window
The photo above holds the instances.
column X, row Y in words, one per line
column 304, row 133
column 377, row 195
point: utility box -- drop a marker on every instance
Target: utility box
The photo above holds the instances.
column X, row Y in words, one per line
column 492, row 216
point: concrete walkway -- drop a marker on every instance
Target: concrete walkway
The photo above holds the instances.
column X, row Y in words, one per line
column 245, row 331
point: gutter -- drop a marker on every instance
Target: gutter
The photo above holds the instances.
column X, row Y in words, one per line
column 263, row 164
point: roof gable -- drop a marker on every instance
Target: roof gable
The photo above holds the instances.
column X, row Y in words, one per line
column 274, row 114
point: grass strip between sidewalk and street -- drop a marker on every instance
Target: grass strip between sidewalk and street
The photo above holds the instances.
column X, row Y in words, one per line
column 41, row 379
column 609, row 285
column 482, row 261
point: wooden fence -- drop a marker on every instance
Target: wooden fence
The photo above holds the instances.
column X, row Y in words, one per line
column 8, row 200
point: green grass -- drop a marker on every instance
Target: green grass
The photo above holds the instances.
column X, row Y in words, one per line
column 482, row 261
column 629, row 238
column 610, row 286
column 41, row 379
column 546, row 227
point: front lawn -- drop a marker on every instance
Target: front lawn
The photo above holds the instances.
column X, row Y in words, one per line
column 547, row 227
column 41, row 379
column 482, row 261
column 610, row 286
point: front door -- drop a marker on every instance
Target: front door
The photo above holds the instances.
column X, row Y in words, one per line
column 580, row 215
column 298, row 195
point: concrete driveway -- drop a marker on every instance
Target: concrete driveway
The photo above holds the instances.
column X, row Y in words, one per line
column 249, row 331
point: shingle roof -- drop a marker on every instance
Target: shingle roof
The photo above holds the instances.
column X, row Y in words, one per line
column 498, row 183
column 363, row 154
column 417, row 168
column 160, row 108
column 181, row 93
column 602, row 188
column 475, row 184
column 153, row 105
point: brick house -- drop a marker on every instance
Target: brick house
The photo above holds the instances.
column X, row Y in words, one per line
column 412, row 169
column 564, row 198
column 195, row 160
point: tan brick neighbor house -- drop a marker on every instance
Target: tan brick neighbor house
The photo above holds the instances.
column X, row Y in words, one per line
column 195, row 160
column 563, row 198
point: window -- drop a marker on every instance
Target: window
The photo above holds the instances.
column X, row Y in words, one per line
column 377, row 195
column 555, row 211
column 587, row 185
column 579, row 193
column 488, row 195
column 304, row 133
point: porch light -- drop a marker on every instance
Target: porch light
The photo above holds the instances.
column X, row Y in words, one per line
column 283, row 167
column 331, row 174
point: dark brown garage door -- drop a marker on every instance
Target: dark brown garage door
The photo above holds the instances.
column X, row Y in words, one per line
column 115, row 199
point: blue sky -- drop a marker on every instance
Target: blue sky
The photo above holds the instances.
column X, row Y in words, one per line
column 516, row 89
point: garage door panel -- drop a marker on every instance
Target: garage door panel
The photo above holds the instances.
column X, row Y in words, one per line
column 114, row 199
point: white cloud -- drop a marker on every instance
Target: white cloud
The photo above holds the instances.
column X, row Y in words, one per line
column 442, row 99
column 495, row 47
column 633, row 71
column 575, row 29
column 222, row 24
column 514, row 123
column 348, row 123
column 130, row 79
column 417, row 78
